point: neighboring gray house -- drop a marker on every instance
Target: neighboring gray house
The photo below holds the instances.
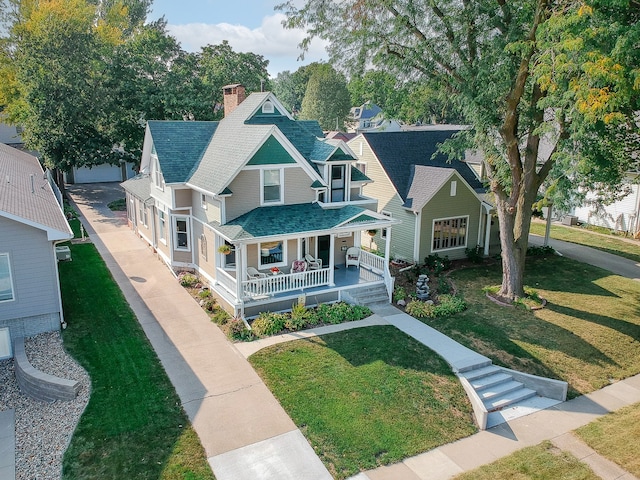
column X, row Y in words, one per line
column 31, row 223
column 441, row 204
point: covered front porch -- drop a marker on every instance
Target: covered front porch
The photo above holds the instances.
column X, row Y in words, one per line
column 282, row 265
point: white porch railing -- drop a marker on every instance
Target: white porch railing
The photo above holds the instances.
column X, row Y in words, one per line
column 378, row 264
column 226, row 280
column 274, row 284
column 371, row 261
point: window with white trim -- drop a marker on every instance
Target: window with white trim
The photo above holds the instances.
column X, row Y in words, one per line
column 454, row 188
column 267, row 107
column 142, row 210
column 383, row 232
column 272, row 254
column 362, row 166
column 449, row 233
column 158, row 178
column 6, row 281
column 271, row 181
column 203, row 201
column 162, row 226
column 181, row 227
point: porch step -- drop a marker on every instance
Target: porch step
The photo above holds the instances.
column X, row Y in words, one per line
column 369, row 295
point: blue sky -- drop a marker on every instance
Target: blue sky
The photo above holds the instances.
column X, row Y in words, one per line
column 248, row 25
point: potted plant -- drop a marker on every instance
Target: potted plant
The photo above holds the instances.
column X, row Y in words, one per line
column 372, row 233
column 225, row 249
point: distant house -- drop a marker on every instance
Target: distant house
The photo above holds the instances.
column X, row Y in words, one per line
column 441, row 205
column 104, row 172
column 259, row 204
column 622, row 215
column 31, row 223
column 10, row 134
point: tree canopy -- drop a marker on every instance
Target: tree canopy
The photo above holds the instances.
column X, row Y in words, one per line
column 326, row 97
column 523, row 73
column 83, row 76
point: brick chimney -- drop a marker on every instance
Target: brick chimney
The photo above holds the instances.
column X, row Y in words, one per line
column 234, row 95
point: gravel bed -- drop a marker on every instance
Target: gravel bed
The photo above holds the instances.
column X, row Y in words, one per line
column 43, row 430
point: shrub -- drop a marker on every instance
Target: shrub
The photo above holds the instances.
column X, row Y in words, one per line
column 436, row 264
column 474, row 254
column 449, row 305
column 298, row 317
column 399, row 293
column 119, row 205
column 187, row 279
column 444, row 286
column 209, row 304
column 237, row 330
column 541, row 251
column 419, row 309
column 204, row 293
column 219, row 316
column 268, row 324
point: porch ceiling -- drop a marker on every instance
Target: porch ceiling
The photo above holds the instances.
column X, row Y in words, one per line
column 292, row 219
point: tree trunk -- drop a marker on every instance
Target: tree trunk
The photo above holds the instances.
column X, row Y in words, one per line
column 515, row 223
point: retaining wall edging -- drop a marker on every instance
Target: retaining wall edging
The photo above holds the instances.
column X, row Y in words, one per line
column 37, row 384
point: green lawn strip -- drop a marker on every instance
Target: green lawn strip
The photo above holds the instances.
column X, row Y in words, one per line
column 540, row 462
column 588, row 334
column 615, row 436
column 134, row 425
column 608, row 243
column 366, row 397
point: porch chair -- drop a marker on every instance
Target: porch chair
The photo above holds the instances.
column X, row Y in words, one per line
column 313, row 263
column 253, row 273
column 353, row 257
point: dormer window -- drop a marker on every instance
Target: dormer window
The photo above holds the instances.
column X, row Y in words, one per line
column 267, row 107
column 338, row 183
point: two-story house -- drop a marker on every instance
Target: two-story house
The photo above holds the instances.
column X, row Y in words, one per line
column 259, row 204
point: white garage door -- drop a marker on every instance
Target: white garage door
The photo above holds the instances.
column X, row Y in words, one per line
column 99, row 173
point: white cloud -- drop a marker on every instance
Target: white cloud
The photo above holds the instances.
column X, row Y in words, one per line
column 271, row 40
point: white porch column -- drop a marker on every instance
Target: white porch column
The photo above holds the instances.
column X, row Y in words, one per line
column 487, row 234
column 387, row 244
column 332, row 261
column 241, row 261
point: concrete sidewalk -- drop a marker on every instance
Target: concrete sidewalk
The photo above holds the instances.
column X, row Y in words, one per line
column 245, row 432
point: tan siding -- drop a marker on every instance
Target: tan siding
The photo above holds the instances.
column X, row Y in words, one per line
column 212, row 212
column 183, row 198
column 246, row 194
column 402, row 236
column 162, row 196
column 443, row 205
column 297, row 186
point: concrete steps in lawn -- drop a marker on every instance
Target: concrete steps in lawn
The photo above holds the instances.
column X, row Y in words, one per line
column 503, row 397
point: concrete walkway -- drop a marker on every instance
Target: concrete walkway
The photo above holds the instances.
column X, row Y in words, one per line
column 7, row 445
column 245, row 432
column 618, row 265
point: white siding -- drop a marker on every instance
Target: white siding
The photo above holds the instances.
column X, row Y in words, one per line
column 618, row 215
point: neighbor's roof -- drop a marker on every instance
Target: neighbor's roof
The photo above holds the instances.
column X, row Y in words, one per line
column 140, row 186
column 398, row 151
column 27, row 197
column 293, row 219
column 424, row 183
column 179, row 146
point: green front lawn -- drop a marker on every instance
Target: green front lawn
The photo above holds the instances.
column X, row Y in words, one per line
column 588, row 334
column 366, row 397
column 606, row 243
column 615, row 436
column 134, row 425
column 542, row 462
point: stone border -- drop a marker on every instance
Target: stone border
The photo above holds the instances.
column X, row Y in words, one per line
column 37, row 384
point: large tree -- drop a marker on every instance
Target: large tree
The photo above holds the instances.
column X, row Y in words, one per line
column 326, row 98
column 523, row 72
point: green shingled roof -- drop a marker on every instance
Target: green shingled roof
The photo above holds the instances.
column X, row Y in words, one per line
column 179, row 146
column 358, row 176
column 290, row 219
